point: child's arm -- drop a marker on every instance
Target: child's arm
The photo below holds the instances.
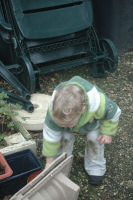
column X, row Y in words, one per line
column 51, row 142
column 108, row 114
column 51, row 137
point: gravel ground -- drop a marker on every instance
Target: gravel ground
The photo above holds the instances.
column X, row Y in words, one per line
column 118, row 181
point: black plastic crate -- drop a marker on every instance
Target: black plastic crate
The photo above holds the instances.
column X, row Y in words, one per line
column 22, row 163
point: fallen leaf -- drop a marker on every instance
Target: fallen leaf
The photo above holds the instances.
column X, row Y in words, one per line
column 52, row 79
column 101, row 187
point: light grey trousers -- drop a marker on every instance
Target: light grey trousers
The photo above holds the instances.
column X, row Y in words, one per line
column 94, row 161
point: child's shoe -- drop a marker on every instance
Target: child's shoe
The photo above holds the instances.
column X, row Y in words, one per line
column 95, row 180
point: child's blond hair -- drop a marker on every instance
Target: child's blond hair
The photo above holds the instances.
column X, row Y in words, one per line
column 68, row 104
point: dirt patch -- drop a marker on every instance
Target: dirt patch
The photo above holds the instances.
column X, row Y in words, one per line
column 118, row 180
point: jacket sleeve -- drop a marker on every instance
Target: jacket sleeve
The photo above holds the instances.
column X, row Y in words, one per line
column 108, row 114
column 51, row 137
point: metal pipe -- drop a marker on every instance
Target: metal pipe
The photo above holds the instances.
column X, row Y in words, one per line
column 12, row 98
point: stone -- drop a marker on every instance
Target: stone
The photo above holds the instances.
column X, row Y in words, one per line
column 30, row 144
column 34, row 121
column 52, row 183
column 14, row 139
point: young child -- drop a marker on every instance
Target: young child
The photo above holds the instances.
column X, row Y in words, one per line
column 78, row 107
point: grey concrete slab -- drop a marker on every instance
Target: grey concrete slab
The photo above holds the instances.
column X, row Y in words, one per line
column 52, row 183
column 34, row 121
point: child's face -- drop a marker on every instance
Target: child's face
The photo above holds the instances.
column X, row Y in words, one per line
column 70, row 121
column 69, row 124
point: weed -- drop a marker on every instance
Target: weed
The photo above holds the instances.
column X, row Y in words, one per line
column 7, row 111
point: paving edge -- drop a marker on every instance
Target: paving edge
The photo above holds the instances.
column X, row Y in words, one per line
column 30, row 144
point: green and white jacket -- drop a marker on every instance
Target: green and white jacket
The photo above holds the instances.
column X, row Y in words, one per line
column 99, row 109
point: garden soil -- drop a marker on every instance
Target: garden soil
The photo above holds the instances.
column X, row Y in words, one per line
column 118, row 180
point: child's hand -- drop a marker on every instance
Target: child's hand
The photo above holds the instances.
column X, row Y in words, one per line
column 48, row 162
column 104, row 139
